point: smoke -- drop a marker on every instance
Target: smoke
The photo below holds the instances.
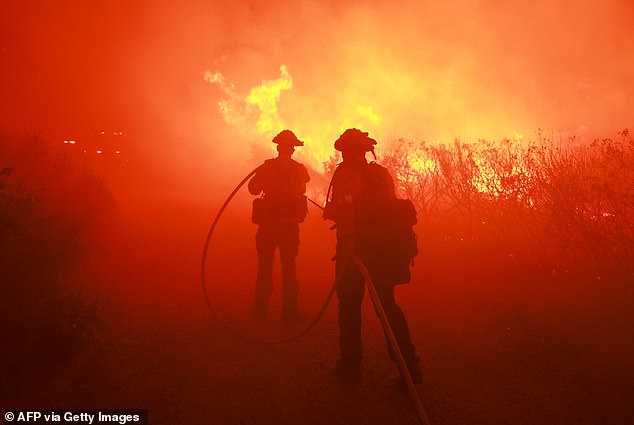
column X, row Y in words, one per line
column 420, row 70
column 431, row 71
column 262, row 101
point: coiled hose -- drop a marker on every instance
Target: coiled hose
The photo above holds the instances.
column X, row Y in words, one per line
column 213, row 313
column 420, row 412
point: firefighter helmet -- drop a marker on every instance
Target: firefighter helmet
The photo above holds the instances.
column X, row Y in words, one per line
column 354, row 138
column 287, row 137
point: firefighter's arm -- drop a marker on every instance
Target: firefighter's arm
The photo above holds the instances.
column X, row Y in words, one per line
column 303, row 178
column 346, row 230
column 256, row 184
column 255, row 187
column 388, row 183
column 343, row 197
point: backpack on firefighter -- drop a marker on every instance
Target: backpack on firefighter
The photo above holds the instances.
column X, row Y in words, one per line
column 385, row 238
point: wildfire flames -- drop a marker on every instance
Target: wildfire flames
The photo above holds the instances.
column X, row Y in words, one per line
column 127, row 127
column 256, row 114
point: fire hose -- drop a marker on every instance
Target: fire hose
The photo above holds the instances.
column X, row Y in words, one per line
column 400, row 360
column 213, row 313
column 378, row 307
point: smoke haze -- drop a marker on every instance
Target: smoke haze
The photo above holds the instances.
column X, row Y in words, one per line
column 190, row 95
column 421, row 70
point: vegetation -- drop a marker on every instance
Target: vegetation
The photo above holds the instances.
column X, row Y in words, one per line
column 50, row 206
column 564, row 205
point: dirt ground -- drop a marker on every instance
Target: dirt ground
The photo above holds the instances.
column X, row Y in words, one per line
column 519, row 346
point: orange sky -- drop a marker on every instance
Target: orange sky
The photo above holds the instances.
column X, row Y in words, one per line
column 424, row 70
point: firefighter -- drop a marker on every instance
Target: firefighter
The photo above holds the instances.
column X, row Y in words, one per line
column 360, row 190
column 278, row 212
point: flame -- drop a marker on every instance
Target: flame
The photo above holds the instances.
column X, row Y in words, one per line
column 232, row 107
column 239, row 110
column 486, row 181
column 422, row 165
column 258, row 114
column 266, row 97
column 368, row 112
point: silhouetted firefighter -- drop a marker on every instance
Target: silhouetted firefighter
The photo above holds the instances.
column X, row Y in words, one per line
column 377, row 227
column 278, row 212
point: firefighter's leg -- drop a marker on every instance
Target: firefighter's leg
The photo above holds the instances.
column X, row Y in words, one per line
column 400, row 328
column 265, row 245
column 350, row 291
column 289, row 247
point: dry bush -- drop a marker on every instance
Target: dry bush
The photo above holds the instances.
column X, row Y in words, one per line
column 49, row 207
column 563, row 204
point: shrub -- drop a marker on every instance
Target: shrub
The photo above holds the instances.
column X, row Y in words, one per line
column 563, row 204
column 49, row 206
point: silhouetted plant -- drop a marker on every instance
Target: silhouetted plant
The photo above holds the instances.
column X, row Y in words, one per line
column 49, row 206
column 562, row 203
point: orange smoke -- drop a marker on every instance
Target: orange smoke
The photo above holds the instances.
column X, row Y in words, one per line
column 432, row 71
column 423, row 72
column 257, row 116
